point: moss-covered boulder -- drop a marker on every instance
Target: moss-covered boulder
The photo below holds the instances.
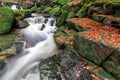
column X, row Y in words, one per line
column 62, row 2
column 96, row 43
column 21, row 24
column 6, row 19
column 20, row 14
column 112, row 64
column 62, row 18
column 6, row 41
column 96, row 52
column 55, row 11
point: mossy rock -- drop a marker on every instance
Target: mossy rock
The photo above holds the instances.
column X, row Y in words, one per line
column 21, row 24
column 34, row 9
column 70, row 15
column 65, row 8
column 6, row 41
column 94, row 51
column 73, row 65
column 114, row 22
column 62, row 18
column 47, row 10
column 112, row 64
column 99, row 72
column 48, row 70
column 6, row 19
column 22, row 13
column 1, row 64
column 62, row 2
column 55, row 11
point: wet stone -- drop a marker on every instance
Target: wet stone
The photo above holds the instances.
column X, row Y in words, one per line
column 71, row 68
column 49, row 70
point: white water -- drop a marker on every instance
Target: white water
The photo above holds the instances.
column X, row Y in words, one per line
column 42, row 46
column 14, row 7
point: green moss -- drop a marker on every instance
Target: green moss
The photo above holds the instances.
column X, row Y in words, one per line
column 112, row 65
column 111, row 2
column 47, row 9
column 34, row 9
column 93, row 51
column 55, row 11
column 65, row 8
column 99, row 72
column 70, row 15
column 6, row 19
column 22, row 13
column 6, row 41
column 83, row 10
column 62, row 2
column 61, row 19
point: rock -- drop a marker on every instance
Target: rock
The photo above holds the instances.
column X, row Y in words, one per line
column 112, row 64
column 49, row 70
column 10, row 51
column 22, row 24
column 71, row 68
column 98, row 32
column 62, row 2
column 70, row 15
column 107, row 20
column 55, row 11
column 7, row 19
column 74, row 67
column 47, row 10
column 75, row 2
column 1, row 64
column 2, row 57
column 20, row 14
column 93, row 51
column 64, row 36
column 34, row 9
column 62, row 18
column 65, row 8
column 6, row 41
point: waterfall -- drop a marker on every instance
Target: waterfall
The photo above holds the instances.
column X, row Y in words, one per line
column 39, row 35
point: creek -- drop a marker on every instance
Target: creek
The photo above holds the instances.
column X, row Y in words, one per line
column 39, row 39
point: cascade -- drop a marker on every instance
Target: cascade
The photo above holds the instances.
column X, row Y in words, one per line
column 39, row 35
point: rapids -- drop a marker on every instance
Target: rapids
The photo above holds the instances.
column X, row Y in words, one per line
column 39, row 36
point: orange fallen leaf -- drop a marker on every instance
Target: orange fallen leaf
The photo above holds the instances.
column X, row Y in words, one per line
column 89, row 68
column 94, row 76
column 106, row 79
column 97, row 70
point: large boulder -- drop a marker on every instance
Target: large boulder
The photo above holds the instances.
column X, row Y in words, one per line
column 96, row 52
column 112, row 64
column 6, row 19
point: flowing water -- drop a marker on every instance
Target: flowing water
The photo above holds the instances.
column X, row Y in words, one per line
column 39, row 36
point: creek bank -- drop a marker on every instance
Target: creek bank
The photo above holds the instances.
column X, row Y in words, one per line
column 94, row 28
column 84, row 39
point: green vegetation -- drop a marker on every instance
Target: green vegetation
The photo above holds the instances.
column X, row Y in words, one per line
column 6, row 41
column 55, row 11
column 62, row 2
column 6, row 19
column 22, row 13
column 61, row 19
